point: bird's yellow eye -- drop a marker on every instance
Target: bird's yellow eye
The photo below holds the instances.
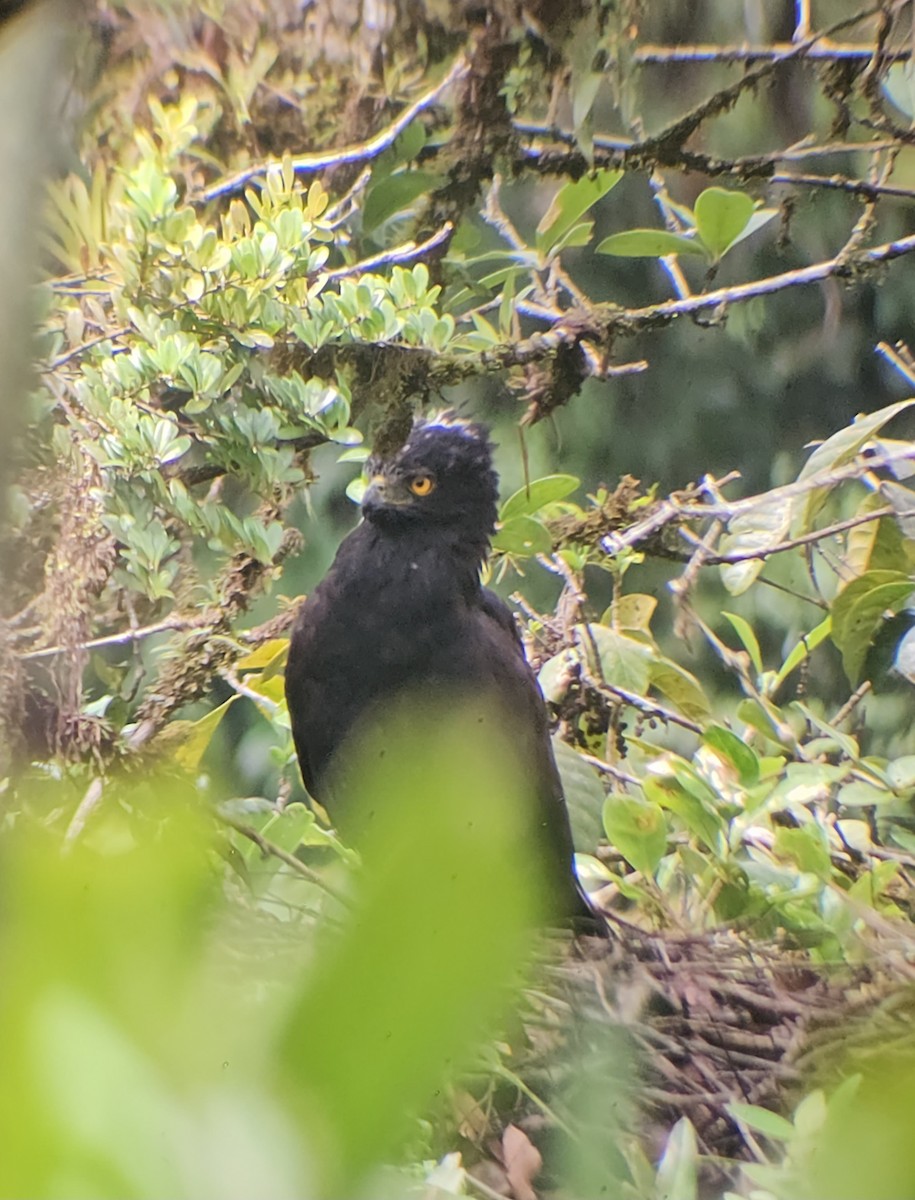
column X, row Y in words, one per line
column 422, row 485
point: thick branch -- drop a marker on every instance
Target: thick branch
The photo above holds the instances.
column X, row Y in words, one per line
column 311, row 163
column 606, row 321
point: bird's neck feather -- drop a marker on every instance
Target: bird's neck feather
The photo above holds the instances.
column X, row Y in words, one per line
column 437, row 559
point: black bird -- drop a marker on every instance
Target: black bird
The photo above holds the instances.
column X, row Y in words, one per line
column 402, row 611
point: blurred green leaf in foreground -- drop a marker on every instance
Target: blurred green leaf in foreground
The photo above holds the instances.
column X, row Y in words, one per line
column 151, row 1047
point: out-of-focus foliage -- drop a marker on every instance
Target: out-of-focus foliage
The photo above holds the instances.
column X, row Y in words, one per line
column 280, row 233
column 171, row 1030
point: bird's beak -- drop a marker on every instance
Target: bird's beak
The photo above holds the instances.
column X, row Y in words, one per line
column 383, row 493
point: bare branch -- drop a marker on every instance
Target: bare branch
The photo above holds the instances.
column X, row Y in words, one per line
column 604, row 321
column 858, row 187
column 125, row 637
column 653, row 55
column 311, row 163
column 711, row 559
column 650, row 707
column 109, row 335
column 272, row 850
column 406, row 252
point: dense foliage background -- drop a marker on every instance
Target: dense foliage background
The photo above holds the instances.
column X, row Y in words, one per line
column 662, row 250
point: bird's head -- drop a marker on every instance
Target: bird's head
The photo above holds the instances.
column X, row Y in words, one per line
column 442, row 477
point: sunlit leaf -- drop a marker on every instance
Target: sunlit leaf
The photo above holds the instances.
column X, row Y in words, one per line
column 649, row 243
column 621, row 660
column 531, row 499
column 721, row 217
column 858, row 610
column 197, row 735
column 570, row 203
column 835, row 452
column 762, row 527
column 637, row 829
column 745, row 632
column 522, row 536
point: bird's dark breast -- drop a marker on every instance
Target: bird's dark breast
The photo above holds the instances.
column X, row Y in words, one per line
column 380, row 625
column 396, row 623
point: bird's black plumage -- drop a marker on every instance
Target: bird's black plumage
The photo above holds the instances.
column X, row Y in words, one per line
column 402, row 611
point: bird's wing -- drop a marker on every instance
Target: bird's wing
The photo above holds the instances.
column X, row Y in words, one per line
column 496, row 608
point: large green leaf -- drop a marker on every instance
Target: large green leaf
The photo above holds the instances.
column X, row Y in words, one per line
column 442, row 919
column 649, row 243
column 837, row 450
column 621, row 660
column 764, row 526
column 570, row 203
column 721, row 217
column 637, row 829
column 584, row 795
column 858, row 610
column 393, row 194
column 529, row 500
column 523, row 536
column 735, row 751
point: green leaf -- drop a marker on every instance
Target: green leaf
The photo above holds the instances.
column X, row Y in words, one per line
column 745, row 632
column 632, row 611
column 761, row 217
column 681, row 688
column 649, row 243
column 393, row 194
column 858, row 610
column 528, row 500
column 432, row 878
column 860, row 794
column 523, row 536
column 721, row 217
column 570, row 203
column 622, row 660
column 899, row 85
column 805, row 646
column 761, row 528
column 638, row 830
column 735, row 751
column 762, row 1120
column 806, row 847
column 901, row 773
column 699, row 818
column 678, row 1169
column 837, row 450
column 269, row 657
column 197, row 735
column 584, row 793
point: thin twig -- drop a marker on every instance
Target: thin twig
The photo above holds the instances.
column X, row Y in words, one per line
column 116, row 639
column 806, row 539
column 86, row 807
column 267, row 847
column 852, row 702
column 859, row 187
column 898, row 356
column 652, row 55
column 362, row 152
column 650, row 707
column 406, row 252
column 108, row 336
